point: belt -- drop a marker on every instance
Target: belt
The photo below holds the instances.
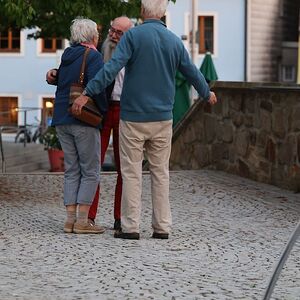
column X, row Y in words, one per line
column 114, row 102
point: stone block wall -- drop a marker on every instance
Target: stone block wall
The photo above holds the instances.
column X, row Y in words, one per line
column 254, row 132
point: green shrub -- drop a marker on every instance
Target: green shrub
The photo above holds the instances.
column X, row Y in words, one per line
column 50, row 139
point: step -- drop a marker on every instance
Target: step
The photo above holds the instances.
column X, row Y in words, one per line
column 32, row 166
column 11, row 149
column 25, row 159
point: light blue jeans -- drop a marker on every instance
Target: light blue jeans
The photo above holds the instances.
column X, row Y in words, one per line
column 81, row 146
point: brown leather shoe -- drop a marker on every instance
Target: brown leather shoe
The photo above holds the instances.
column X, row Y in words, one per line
column 162, row 236
column 68, row 227
column 127, row 235
column 87, row 228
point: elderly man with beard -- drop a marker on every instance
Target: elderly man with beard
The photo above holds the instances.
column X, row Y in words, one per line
column 112, row 118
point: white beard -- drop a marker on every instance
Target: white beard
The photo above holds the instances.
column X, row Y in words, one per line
column 108, row 48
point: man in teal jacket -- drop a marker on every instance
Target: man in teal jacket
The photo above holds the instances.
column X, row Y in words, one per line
column 151, row 55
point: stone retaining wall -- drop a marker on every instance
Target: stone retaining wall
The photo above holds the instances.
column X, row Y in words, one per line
column 254, row 131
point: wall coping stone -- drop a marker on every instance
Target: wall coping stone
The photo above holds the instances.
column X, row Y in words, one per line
column 268, row 86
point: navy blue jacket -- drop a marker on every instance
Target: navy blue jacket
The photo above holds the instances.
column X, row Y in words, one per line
column 68, row 73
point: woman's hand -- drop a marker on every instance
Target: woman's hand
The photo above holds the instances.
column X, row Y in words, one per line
column 51, row 77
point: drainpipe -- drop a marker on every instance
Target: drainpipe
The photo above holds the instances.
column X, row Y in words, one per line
column 193, row 93
column 298, row 79
column 194, row 30
column 246, row 42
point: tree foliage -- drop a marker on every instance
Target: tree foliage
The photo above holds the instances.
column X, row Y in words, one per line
column 53, row 18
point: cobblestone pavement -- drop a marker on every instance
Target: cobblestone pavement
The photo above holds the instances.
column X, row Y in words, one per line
column 228, row 234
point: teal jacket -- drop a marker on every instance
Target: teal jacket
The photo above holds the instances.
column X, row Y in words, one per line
column 151, row 55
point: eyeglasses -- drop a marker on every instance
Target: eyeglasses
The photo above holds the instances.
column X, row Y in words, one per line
column 113, row 30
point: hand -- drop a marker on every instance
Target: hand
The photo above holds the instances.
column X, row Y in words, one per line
column 78, row 104
column 213, row 98
column 51, row 76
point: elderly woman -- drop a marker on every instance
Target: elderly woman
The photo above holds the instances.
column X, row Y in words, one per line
column 80, row 142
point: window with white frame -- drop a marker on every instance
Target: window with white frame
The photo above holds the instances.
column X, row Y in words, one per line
column 47, row 111
column 10, row 40
column 51, row 45
column 8, row 111
column 288, row 73
column 206, row 36
column 281, row 8
column 166, row 19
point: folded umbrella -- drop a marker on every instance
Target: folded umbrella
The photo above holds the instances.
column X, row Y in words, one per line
column 182, row 97
column 207, row 68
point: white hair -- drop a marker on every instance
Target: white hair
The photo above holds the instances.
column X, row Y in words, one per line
column 83, row 30
column 155, row 8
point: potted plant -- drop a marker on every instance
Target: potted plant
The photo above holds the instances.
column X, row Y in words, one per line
column 56, row 156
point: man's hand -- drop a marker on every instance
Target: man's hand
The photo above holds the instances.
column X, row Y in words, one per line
column 78, row 104
column 212, row 99
column 51, row 76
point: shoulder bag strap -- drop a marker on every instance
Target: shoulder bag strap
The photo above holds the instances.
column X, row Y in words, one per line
column 81, row 76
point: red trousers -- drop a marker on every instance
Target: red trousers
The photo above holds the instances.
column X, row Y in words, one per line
column 111, row 123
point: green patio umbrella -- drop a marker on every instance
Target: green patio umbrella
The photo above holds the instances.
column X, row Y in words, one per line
column 182, row 97
column 208, row 69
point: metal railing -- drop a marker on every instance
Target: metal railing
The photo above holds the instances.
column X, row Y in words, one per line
column 284, row 256
column 24, row 127
column 3, row 167
column 5, row 128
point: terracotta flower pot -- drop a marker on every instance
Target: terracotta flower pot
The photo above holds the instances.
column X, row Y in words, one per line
column 56, row 159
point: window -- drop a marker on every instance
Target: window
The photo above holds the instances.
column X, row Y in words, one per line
column 288, row 73
column 47, row 112
column 166, row 19
column 206, row 34
column 8, row 111
column 50, row 45
column 10, row 40
column 281, row 8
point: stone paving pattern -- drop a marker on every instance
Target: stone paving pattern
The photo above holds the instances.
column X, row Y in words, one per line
column 228, row 234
